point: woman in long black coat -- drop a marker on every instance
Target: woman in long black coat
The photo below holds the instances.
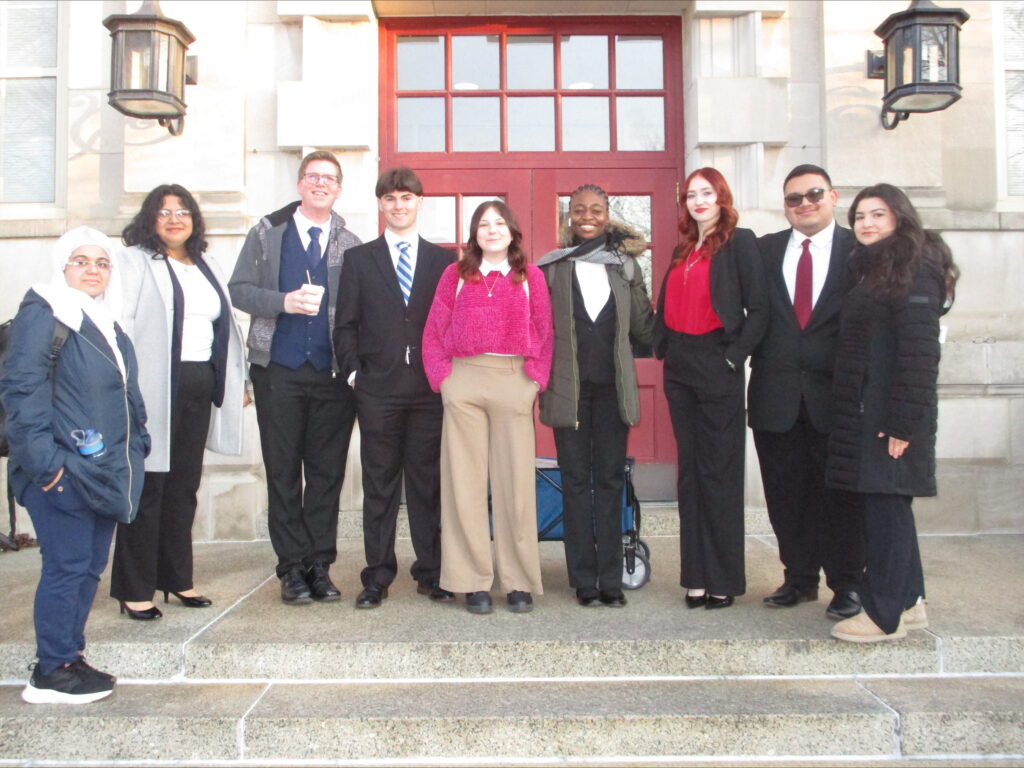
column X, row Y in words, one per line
column 883, row 442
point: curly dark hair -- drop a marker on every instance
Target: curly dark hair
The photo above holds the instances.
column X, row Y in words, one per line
column 469, row 264
column 727, row 217
column 890, row 272
column 142, row 229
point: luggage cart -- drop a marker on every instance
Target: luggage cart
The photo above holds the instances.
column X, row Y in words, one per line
column 636, row 559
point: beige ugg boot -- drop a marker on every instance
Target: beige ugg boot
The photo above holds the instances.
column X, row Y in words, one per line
column 861, row 629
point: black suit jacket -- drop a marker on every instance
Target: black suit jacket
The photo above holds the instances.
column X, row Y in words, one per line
column 790, row 363
column 373, row 328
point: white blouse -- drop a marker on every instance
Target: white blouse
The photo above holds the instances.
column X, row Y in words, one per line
column 202, row 307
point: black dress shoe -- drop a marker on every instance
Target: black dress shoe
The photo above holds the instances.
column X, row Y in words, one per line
column 844, row 605
column 320, row 585
column 371, row 597
column 189, row 601
column 613, row 598
column 478, row 602
column 787, row 596
column 718, row 602
column 588, row 598
column 519, row 601
column 146, row 614
column 695, row 601
column 294, row 589
column 433, row 590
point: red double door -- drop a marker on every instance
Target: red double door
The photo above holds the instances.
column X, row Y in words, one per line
column 642, row 198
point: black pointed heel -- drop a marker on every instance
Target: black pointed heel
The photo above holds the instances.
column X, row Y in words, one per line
column 197, row 601
column 149, row 614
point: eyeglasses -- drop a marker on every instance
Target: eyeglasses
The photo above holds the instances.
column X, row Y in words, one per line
column 79, row 263
column 327, row 179
column 815, row 195
column 181, row 213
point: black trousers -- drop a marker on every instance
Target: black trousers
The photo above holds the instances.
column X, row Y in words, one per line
column 592, row 459
column 400, row 437
column 154, row 552
column 705, row 400
column 305, row 418
column 893, row 576
column 816, row 527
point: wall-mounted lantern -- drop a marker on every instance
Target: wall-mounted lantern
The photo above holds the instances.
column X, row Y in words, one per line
column 148, row 66
column 921, row 63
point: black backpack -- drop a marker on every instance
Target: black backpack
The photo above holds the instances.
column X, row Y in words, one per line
column 60, row 335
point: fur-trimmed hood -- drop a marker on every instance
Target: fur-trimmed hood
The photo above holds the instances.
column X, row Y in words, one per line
column 622, row 238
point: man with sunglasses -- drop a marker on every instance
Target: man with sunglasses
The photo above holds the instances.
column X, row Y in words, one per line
column 286, row 278
column 790, row 398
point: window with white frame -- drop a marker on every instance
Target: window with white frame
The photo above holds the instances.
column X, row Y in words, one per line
column 1013, row 63
column 28, row 100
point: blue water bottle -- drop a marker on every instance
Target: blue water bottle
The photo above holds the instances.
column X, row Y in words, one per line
column 89, row 442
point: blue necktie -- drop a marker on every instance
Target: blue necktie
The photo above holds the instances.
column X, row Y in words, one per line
column 404, row 270
column 313, row 252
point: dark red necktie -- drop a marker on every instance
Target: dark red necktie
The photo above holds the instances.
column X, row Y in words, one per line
column 804, row 283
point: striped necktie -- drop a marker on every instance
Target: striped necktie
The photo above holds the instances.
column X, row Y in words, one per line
column 404, row 270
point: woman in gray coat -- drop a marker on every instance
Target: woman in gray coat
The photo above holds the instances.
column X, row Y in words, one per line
column 192, row 376
column 599, row 303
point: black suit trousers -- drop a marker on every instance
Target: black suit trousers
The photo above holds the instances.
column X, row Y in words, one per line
column 816, row 527
column 592, row 459
column 400, row 438
column 305, row 418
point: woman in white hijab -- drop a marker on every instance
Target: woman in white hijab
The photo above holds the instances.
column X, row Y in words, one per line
column 77, row 436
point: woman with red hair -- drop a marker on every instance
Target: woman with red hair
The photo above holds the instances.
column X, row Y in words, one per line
column 712, row 312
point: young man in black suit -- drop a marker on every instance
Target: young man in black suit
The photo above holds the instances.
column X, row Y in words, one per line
column 384, row 296
column 790, row 398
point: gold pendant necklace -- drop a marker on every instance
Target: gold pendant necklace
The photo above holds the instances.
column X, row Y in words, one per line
column 490, row 286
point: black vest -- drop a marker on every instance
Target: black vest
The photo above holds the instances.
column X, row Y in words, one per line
column 595, row 339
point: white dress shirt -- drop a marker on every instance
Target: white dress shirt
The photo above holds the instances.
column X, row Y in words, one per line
column 821, row 255
column 302, row 224
column 593, row 280
column 413, row 239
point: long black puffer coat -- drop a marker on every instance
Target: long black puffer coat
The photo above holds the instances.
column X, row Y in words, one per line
column 885, row 381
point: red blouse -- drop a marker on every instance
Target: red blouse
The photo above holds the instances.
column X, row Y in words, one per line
column 688, row 296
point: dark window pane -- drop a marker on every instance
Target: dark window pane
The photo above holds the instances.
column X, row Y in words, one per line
column 421, row 125
column 530, row 62
column 638, row 63
column 584, row 61
column 585, row 124
column 531, row 124
column 474, row 62
column 475, row 125
column 420, row 63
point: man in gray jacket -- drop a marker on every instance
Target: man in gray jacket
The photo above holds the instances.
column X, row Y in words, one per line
column 283, row 279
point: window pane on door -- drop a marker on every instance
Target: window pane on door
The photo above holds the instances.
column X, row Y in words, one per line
column 436, row 221
column 531, row 124
column 474, row 62
column 421, row 125
column 640, row 123
column 638, row 63
column 584, row 61
column 530, row 62
column 420, row 63
column 469, row 204
column 476, row 125
column 585, row 124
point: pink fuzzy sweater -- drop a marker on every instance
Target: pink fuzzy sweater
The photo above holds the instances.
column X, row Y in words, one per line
column 473, row 323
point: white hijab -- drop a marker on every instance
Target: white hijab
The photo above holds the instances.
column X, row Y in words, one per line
column 69, row 304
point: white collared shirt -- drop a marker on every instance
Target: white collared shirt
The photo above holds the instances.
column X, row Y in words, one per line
column 594, row 285
column 302, row 224
column 502, row 266
column 392, row 239
column 821, row 255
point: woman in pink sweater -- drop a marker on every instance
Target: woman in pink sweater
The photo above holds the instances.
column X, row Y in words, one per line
column 487, row 350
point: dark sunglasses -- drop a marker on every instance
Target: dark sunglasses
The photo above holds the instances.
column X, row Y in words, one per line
column 815, row 195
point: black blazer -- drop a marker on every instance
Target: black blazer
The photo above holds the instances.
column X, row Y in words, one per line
column 372, row 325
column 790, row 363
column 737, row 296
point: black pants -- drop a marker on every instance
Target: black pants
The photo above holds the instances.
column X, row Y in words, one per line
column 592, row 459
column 893, row 576
column 154, row 552
column 705, row 400
column 400, row 438
column 816, row 527
column 305, row 418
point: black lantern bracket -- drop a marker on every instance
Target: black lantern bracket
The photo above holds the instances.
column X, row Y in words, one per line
column 148, row 66
column 921, row 60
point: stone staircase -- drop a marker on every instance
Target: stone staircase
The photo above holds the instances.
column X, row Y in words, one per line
column 252, row 682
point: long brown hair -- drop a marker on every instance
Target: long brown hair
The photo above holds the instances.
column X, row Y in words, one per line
column 727, row 217
column 472, row 255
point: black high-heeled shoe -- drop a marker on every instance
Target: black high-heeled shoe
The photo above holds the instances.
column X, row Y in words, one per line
column 696, row 601
column 718, row 602
column 148, row 614
column 190, row 601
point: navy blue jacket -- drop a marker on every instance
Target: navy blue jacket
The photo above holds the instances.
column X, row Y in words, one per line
column 87, row 392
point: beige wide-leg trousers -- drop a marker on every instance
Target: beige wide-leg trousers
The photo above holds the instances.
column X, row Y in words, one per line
column 488, row 430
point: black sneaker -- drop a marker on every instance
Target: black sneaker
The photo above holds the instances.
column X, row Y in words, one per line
column 86, row 670
column 519, row 601
column 69, row 684
column 478, row 602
